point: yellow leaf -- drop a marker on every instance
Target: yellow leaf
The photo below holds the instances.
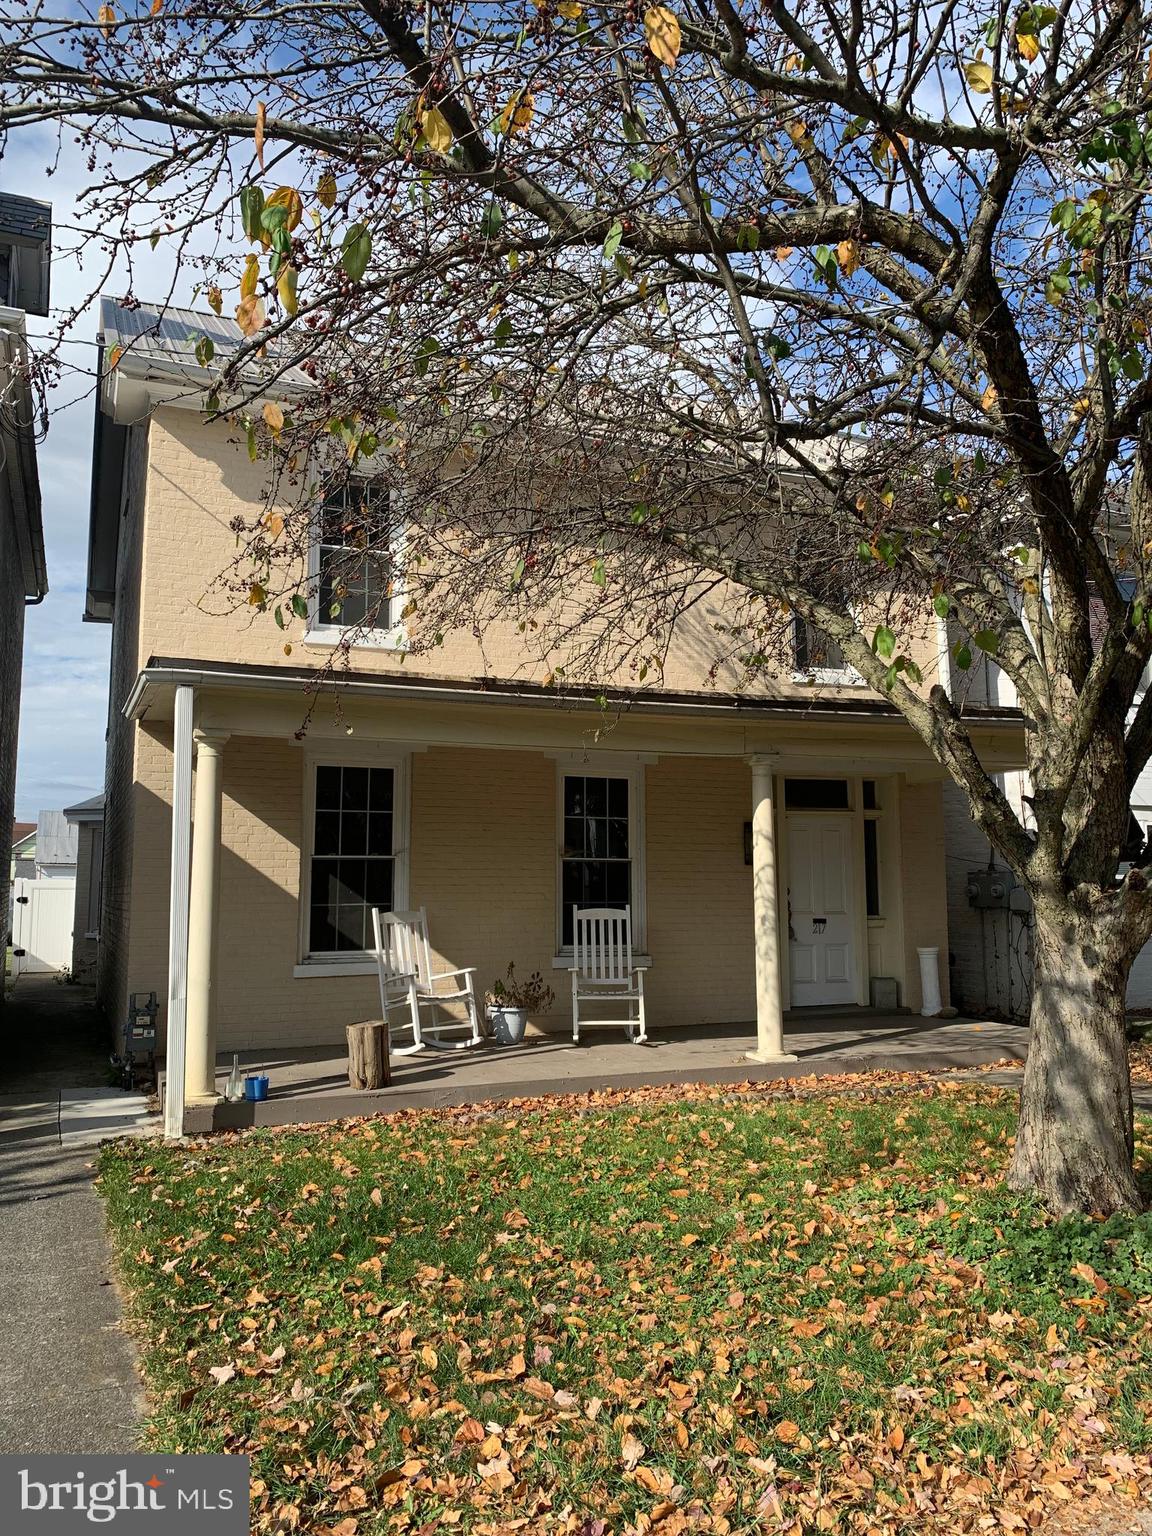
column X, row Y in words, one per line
column 979, row 76
column 157, row 7
column 517, row 115
column 114, row 356
column 215, row 299
column 437, row 133
column 326, row 190
column 1027, row 46
column 848, row 255
column 106, row 16
column 988, row 398
column 273, row 418
column 798, row 132
column 257, row 595
column 570, row 9
column 249, row 276
column 286, row 288
column 662, row 31
column 250, row 315
column 787, row 1432
column 287, row 647
column 258, row 131
column 274, row 522
column 288, row 198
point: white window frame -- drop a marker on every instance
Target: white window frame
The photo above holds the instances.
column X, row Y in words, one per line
column 602, row 767
column 345, row 962
column 323, row 630
column 840, row 677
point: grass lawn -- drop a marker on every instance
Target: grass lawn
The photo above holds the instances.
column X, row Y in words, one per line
column 675, row 1311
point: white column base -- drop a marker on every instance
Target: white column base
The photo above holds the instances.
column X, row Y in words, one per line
column 767, row 1058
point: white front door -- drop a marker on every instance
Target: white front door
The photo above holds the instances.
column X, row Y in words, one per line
column 821, row 922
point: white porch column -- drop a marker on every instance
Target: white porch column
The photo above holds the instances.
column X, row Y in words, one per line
column 200, row 1071
column 765, row 907
column 178, row 912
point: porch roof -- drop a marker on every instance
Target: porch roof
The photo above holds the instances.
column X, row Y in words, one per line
column 250, row 699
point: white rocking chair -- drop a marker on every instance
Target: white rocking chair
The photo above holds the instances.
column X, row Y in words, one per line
column 408, row 983
column 604, row 971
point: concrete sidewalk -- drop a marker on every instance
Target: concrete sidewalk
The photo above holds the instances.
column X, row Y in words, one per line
column 69, row 1380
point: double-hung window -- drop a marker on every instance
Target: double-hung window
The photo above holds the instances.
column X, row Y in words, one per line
column 601, row 846
column 356, row 563
column 354, row 858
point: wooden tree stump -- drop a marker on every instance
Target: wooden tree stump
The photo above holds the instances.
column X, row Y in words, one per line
column 368, row 1063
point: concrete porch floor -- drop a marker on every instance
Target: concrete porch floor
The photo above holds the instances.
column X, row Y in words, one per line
column 312, row 1085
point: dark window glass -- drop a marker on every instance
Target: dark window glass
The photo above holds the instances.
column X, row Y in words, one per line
column 870, row 801
column 816, row 794
column 353, row 856
column 357, row 556
column 814, row 650
column 872, row 868
column 596, row 865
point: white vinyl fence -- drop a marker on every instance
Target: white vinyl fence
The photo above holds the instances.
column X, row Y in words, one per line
column 42, row 916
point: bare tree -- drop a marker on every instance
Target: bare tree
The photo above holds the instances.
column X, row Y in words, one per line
column 841, row 306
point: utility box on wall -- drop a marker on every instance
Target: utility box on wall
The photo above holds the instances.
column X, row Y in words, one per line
column 990, row 888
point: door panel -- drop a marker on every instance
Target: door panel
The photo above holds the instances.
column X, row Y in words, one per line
column 821, row 922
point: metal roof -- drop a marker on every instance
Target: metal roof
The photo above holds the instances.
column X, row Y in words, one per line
column 165, row 337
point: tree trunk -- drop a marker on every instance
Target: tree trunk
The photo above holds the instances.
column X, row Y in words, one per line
column 1074, row 1139
column 368, row 1065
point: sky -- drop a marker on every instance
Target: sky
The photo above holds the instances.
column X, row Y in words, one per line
column 64, row 696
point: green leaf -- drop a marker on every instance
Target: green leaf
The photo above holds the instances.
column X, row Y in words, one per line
column 251, row 210
column 356, row 251
column 503, row 328
column 942, row 605
column 747, row 238
column 987, row 640
column 493, row 221
column 883, row 641
column 776, row 347
column 963, row 657
column 205, row 351
column 639, row 171
column 425, row 352
column 299, row 606
column 612, row 240
column 278, row 615
column 599, row 575
column 252, row 449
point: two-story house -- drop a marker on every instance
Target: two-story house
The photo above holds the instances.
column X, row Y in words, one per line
column 25, row 239
column 778, row 848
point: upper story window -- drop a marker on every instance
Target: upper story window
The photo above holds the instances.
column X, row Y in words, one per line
column 356, row 569
column 817, row 656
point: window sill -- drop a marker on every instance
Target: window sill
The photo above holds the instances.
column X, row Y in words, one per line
column 360, row 965
column 564, row 962
column 823, row 678
column 370, row 640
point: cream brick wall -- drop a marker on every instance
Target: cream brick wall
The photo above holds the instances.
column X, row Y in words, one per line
column 699, row 891
column 200, row 480
column 924, row 892
column 483, row 847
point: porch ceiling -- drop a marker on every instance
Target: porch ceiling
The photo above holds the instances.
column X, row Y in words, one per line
column 808, row 734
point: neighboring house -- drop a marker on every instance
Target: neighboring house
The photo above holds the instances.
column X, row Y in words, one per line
column 25, row 231
column 22, row 865
column 452, row 783
column 56, row 847
column 87, row 821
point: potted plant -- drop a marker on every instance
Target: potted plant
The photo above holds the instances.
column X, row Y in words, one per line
column 511, row 1001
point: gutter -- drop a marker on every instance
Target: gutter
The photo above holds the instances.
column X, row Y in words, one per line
column 162, row 672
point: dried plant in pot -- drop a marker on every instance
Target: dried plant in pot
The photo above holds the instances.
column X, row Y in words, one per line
column 510, row 1002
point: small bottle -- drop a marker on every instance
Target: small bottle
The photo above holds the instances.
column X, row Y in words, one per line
column 235, row 1086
